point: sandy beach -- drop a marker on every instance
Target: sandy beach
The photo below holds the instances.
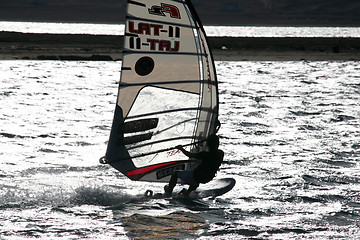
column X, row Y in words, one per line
column 15, row 45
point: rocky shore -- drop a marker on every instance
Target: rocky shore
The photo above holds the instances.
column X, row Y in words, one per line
column 20, row 46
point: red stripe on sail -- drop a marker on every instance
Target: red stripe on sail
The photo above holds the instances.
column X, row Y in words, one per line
column 146, row 169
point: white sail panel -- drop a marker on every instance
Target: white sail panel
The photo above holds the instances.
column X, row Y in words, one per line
column 176, row 127
column 168, row 71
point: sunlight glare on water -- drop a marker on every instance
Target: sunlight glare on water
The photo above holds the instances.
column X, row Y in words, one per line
column 290, row 132
column 229, row 31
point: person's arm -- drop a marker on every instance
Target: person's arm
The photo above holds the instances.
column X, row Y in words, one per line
column 186, row 153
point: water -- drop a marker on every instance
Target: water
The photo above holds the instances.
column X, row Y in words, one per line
column 234, row 31
column 290, row 131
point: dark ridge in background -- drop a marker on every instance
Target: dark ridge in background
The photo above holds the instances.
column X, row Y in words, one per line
column 212, row 12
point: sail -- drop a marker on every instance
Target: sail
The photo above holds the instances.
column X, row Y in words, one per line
column 168, row 92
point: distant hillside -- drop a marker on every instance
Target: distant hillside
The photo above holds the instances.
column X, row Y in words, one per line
column 212, row 12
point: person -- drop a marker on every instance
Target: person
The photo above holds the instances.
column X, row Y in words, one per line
column 204, row 172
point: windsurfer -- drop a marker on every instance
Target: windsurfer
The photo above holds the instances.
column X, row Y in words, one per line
column 204, row 172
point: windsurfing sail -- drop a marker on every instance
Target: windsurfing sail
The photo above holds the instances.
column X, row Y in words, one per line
column 168, row 93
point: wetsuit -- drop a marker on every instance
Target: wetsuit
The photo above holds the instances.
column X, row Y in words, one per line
column 210, row 164
column 204, row 173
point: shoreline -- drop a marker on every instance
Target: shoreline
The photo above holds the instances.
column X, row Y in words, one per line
column 77, row 47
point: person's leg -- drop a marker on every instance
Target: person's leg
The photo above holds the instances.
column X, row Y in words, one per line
column 192, row 187
column 172, row 183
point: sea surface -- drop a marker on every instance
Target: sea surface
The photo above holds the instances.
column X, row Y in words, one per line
column 233, row 31
column 290, row 132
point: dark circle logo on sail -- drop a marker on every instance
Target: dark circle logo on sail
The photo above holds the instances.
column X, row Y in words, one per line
column 144, row 66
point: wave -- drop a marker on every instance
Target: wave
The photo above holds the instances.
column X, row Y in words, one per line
column 342, row 118
column 330, row 180
column 14, row 198
column 60, row 169
column 305, row 113
column 339, row 163
column 310, row 127
column 252, row 124
column 47, row 150
column 337, row 155
column 312, row 199
column 344, row 218
column 79, row 143
column 12, row 135
column 256, row 144
column 99, row 196
column 235, row 231
column 6, row 93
